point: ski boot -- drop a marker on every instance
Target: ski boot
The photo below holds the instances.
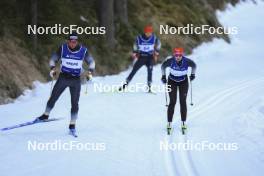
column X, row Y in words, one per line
column 123, row 86
column 183, row 127
column 42, row 118
column 149, row 89
column 72, row 130
column 169, row 128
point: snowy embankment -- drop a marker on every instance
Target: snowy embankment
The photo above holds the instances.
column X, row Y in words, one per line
column 228, row 108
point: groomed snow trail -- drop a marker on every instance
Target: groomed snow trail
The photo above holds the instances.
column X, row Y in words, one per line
column 228, row 108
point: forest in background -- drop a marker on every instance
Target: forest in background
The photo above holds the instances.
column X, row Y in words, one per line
column 24, row 58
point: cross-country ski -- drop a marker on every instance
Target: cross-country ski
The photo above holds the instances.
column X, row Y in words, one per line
column 145, row 88
column 27, row 124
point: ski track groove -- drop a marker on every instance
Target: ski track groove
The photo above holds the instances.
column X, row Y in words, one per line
column 189, row 168
column 222, row 95
column 171, row 163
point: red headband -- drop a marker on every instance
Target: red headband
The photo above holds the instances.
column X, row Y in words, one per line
column 148, row 29
column 178, row 51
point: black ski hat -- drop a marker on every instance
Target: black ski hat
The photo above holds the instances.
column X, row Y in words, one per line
column 73, row 36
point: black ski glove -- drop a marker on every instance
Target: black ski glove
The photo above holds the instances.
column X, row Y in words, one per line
column 192, row 77
column 164, row 79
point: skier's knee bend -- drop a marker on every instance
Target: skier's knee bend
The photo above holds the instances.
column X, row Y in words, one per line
column 183, row 104
column 172, row 102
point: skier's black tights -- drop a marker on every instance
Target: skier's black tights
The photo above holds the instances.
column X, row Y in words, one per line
column 74, row 84
column 183, row 90
column 142, row 60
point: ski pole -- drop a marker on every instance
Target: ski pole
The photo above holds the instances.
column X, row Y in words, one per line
column 86, row 88
column 191, row 94
column 166, row 96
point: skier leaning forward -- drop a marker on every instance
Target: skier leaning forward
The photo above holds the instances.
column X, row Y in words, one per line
column 71, row 56
column 145, row 52
column 177, row 80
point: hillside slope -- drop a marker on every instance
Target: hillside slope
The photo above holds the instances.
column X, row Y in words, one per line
column 17, row 50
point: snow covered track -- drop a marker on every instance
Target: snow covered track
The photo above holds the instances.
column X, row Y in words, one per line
column 181, row 162
column 228, row 108
column 222, row 96
column 172, row 166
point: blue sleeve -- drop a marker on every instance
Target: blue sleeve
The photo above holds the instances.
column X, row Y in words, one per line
column 157, row 44
column 135, row 45
column 166, row 63
column 191, row 64
column 88, row 58
column 55, row 57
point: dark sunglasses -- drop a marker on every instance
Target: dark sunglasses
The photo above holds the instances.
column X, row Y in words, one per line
column 178, row 55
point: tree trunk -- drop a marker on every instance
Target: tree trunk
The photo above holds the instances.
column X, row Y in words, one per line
column 106, row 19
column 34, row 20
column 121, row 11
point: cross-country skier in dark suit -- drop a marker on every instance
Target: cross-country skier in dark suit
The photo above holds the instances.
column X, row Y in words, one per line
column 71, row 56
column 177, row 80
column 145, row 52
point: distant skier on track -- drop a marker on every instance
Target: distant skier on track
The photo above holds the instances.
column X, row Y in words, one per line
column 177, row 79
column 71, row 56
column 145, row 52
